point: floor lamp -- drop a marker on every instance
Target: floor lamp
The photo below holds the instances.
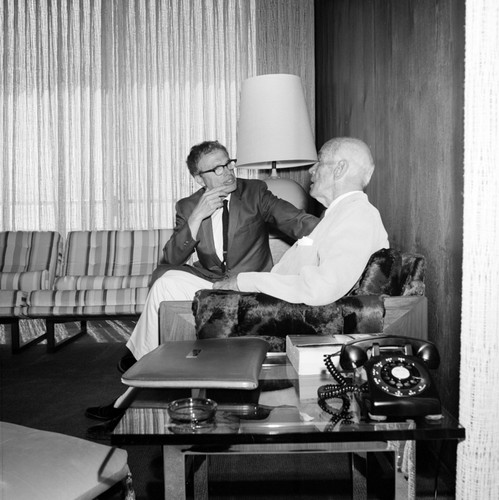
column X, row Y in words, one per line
column 274, row 131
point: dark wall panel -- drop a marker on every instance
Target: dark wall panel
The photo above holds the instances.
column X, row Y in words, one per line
column 391, row 72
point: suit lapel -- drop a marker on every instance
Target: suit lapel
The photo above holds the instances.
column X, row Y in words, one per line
column 206, row 235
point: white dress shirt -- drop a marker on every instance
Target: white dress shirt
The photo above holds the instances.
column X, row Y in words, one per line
column 324, row 266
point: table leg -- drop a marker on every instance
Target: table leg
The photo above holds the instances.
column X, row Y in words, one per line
column 358, row 475
column 200, row 466
column 381, row 473
column 174, row 473
column 397, row 467
column 405, row 472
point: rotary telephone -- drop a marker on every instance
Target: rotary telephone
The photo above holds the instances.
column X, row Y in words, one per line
column 399, row 383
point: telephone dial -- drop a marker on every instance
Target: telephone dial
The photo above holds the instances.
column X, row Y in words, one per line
column 399, row 383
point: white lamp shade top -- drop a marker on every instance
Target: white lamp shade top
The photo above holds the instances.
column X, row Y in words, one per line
column 274, row 125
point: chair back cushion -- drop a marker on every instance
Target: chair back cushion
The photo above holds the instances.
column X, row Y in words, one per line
column 29, row 260
column 114, row 253
column 412, row 276
column 391, row 272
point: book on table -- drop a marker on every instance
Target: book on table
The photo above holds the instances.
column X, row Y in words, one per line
column 306, row 352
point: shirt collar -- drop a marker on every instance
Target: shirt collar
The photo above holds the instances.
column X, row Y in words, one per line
column 341, row 197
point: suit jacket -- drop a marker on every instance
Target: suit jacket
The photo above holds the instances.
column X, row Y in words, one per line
column 252, row 208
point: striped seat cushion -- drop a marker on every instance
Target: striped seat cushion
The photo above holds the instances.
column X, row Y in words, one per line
column 86, row 302
column 100, row 282
column 38, row 252
column 11, row 303
column 114, row 253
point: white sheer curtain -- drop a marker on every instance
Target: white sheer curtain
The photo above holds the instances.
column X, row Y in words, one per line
column 101, row 101
column 478, row 454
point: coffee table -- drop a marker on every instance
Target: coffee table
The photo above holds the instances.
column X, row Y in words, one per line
column 281, row 416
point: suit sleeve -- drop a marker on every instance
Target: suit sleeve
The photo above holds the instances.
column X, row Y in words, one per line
column 181, row 244
column 292, row 221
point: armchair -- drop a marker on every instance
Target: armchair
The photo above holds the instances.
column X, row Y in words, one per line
column 388, row 297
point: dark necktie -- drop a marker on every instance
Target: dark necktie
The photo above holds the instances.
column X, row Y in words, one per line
column 225, row 233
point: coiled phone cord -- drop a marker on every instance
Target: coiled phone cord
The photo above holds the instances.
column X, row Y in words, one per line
column 339, row 390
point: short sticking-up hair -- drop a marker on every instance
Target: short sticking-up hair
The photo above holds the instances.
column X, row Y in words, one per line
column 199, row 150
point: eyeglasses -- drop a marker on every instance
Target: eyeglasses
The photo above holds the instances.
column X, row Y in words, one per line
column 219, row 169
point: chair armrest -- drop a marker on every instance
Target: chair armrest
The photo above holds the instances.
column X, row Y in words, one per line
column 407, row 316
column 224, row 313
column 176, row 321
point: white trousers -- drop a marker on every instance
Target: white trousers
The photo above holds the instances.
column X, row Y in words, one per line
column 173, row 285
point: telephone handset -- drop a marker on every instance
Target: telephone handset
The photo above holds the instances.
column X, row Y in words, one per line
column 399, row 383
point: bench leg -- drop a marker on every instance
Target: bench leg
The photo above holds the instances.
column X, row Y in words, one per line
column 52, row 345
column 15, row 335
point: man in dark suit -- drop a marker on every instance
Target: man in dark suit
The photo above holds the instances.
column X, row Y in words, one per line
column 199, row 228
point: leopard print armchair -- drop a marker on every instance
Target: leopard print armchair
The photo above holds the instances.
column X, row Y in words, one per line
column 224, row 313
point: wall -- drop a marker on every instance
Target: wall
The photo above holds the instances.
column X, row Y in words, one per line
column 391, row 72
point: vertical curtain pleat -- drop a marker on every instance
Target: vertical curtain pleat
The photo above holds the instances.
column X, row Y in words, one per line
column 102, row 100
column 478, row 454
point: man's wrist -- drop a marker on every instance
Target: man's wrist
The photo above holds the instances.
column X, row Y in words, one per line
column 245, row 281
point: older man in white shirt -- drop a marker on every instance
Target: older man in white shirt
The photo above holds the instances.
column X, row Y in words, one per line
column 324, row 266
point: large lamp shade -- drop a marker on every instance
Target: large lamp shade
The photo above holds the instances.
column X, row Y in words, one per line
column 274, row 129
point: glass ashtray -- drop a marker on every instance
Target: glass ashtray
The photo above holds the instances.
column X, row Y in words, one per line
column 192, row 410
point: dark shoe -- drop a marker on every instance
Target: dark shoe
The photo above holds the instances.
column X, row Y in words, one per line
column 101, row 432
column 107, row 412
column 126, row 362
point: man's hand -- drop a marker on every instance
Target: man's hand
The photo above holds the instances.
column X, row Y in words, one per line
column 210, row 201
column 226, row 284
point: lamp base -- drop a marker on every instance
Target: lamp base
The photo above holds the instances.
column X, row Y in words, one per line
column 288, row 190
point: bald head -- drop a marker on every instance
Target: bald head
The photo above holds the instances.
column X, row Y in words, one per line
column 345, row 164
column 356, row 153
